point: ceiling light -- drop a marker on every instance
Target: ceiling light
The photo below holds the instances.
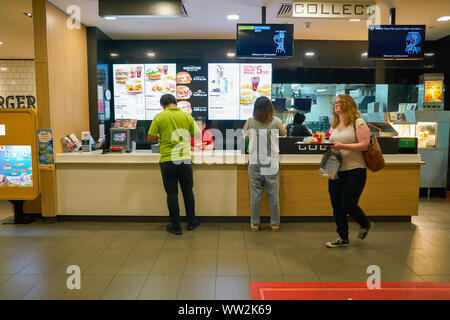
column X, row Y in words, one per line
column 110, row 18
column 364, row 54
column 3, row 69
column 444, row 18
column 321, row 90
column 150, row 54
column 28, row 14
column 309, row 54
column 233, row 17
column 231, row 54
column 1, row 43
column 114, row 54
column 429, row 54
column 354, row 20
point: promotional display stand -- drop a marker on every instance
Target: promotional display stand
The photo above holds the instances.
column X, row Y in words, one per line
column 19, row 172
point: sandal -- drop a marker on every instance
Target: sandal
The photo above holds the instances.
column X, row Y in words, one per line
column 275, row 227
column 256, row 227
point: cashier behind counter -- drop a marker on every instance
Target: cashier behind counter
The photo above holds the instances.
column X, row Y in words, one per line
column 297, row 128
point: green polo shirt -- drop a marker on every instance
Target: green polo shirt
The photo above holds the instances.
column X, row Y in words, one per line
column 175, row 129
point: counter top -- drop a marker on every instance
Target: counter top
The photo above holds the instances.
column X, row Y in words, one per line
column 208, row 157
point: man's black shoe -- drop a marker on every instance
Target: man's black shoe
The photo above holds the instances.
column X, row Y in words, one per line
column 193, row 226
column 171, row 229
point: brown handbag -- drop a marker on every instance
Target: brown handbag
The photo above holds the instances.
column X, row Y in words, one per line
column 373, row 156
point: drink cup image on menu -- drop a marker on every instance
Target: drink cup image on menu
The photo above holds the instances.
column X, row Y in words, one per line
column 255, row 81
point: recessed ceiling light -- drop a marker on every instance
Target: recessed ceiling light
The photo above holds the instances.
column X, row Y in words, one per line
column 364, row 54
column 3, row 69
column 28, row 14
column 444, row 18
column 1, row 43
column 309, row 54
column 233, row 17
column 429, row 54
column 321, row 90
column 114, row 54
column 150, row 54
column 231, row 54
column 354, row 20
column 110, row 18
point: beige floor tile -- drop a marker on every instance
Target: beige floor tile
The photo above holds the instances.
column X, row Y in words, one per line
column 6, row 252
column 308, row 278
column 419, row 263
column 183, row 241
column 160, row 288
column 101, row 239
column 233, row 288
column 124, row 288
column 363, row 277
column 232, row 262
column 324, row 261
column 231, row 240
column 341, row 276
column 19, row 285
column 109, row 262
column 139, row 262
column 201, row 262
column 208, row 226
column 81, row 257
column 92, row 286
column 197, row 288
column 257, row 240
column 170, row 262
column 267, row 278
column 389, row 264
column 283, row 239
column 76, row 239
column 404, row 278
column 234, row 226
column 205, row 240
column 293, row 262
column 263, row 262
column 438, row 278
column 20, row 259
column 51, row 287
column 127, row 239
column 5, row 276
column 153, row 239
column 47, row 262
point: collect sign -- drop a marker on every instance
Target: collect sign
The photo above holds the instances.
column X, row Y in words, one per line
column 362, row 9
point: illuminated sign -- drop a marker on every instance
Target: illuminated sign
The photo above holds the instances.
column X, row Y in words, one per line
column 333, row 9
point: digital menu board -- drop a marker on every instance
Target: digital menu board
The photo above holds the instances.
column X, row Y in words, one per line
column 233, row 89
column 396, row 42
column 217, row 91
column 223, row 92
column 433, row 91
column 129, row 97
column 192, row 89
column 255, row 81
column 159, row 80
column 16, row 169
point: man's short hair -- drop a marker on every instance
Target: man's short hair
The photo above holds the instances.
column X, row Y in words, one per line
column 167, row 99
column 299, row 118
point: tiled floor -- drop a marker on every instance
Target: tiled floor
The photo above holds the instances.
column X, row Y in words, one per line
column 216, row 261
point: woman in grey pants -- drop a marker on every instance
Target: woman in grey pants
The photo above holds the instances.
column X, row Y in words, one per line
column 263, row 131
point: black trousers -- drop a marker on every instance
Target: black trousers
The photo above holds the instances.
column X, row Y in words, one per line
column 344, row 194
column 172, row 174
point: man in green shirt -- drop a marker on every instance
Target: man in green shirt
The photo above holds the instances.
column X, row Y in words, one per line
column 175, row 129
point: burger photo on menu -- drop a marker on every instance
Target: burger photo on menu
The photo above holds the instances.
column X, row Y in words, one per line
column 183, row 78
column 153, row 74
column 247, row 97
column 122, row 75
column 185, row 106
column 134, row 86
column 183, row 92
column 265, row 90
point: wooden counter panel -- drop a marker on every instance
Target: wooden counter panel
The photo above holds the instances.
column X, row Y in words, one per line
column 394, row 191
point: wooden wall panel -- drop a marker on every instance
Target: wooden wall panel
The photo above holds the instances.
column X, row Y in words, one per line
column 394, row 191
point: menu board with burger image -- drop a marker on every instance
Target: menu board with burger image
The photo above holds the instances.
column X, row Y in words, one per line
column 192, row 89
column 255, row 81
column 160, row 79
column 129, row 102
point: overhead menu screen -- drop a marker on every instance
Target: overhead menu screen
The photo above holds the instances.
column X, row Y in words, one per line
column 216, row 91
column 265, row 40
column 396, row 42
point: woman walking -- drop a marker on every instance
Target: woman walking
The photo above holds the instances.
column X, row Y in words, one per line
column 263, row 131
column 350, row 135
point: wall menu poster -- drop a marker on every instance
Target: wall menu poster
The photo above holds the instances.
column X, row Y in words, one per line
column 433, row 91
column 223, row 91
column 255, row 81
column 129, row 99
column 159, row 80
column 192, row 89
column 45, row 146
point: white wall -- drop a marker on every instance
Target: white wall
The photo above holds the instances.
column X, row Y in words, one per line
column 17, row 78
column 322, row 108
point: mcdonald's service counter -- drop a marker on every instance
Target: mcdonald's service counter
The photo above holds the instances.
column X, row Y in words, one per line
column 95, row 184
